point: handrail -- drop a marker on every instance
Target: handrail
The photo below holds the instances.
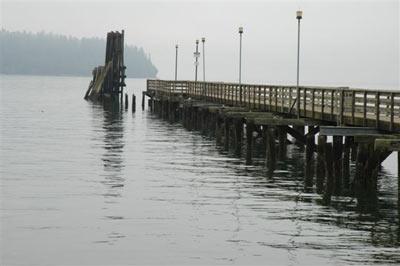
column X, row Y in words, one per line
column 342, row 105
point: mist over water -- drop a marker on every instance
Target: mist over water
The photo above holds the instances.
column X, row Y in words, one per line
column 87, row 184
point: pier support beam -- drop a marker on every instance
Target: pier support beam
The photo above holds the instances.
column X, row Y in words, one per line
column 337, row 150
column 348, row 143
column 328, row 172
column 133, row 103
column 126, row 101
column 300, row 130
column 362, row 178
column 249, row 140
column 320, row 164
column 218, row 129
column 270, row 157
column 238, row 135
column 309, row 167
column 227, row 130
column 282, row 137
column 143, row 99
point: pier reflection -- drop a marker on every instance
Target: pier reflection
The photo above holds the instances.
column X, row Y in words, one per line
column 113, row 145
column 109, row 116
column 375, row 212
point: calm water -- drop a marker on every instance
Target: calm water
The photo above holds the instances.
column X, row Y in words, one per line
column 81, row 185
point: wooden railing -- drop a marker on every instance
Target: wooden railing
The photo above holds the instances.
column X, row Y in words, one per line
column 344, row 106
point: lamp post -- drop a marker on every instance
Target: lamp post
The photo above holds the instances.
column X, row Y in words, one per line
column 196, row 63
column 176, row 63
column 240, row 64
column 203, row 40
column 299, row 16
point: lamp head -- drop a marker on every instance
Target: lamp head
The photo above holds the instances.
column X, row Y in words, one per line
column 240, row 30
column 203, row 39
column 299, row 14
column 197, row 41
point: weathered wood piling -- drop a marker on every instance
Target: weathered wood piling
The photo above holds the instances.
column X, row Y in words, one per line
column 109, row 80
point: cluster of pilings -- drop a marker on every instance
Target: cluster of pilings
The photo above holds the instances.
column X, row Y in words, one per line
column 336, row 163
column 109, row 80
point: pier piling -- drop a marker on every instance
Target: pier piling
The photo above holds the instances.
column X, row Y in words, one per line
column 133, row 103
column 320, row 177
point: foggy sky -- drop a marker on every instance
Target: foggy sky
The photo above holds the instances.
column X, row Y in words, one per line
column 343, row 43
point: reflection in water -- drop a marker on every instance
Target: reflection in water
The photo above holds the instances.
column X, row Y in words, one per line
column 110, row 113
column 380, row 218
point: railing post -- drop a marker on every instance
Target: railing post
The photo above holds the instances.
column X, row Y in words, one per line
column 365, row 109
column 377, row 107
column 305, row 101
column 265, row 98
column 322, row 104
column 391, row 111
column 341, row 122
column 298, row 102
column 270, row 98
column 254, row 97
column 240, row 94
column 313, row 104
column 353, row 103
column 332, row 103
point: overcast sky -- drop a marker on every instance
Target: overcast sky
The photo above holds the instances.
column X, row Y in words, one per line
column 349, row 43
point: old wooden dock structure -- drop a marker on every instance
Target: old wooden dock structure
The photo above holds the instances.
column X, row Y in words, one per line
column 109, row 80
column 342, row 130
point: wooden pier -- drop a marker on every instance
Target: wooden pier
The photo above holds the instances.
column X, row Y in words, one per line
column 356, row 128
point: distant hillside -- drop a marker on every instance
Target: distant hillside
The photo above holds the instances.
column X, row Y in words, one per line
column 50, row 54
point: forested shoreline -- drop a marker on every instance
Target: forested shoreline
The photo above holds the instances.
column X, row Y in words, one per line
column 52, row 54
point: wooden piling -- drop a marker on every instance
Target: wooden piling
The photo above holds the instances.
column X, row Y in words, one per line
column 218, row 129
column 337, row 150
column 320, row 164
column 126, row 101
column 143, row 99
column 282, row 137
column 227, row 129
column 238, row 135
column 328, row 172
column 348, row 142
column 133, row 103
column 249, row 141
column 309, row 167
column 171, row 112
column 300, row 130
column 184, row 116
column 367, row 174
column 270, row 157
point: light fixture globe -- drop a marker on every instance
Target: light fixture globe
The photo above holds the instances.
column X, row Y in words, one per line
column 299, row 14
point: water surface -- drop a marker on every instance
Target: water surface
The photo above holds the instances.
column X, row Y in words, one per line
column 84, row 184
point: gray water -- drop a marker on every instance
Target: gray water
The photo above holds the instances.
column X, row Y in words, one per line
column 85, row 185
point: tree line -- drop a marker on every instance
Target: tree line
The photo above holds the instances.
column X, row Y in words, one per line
column 52, row 54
